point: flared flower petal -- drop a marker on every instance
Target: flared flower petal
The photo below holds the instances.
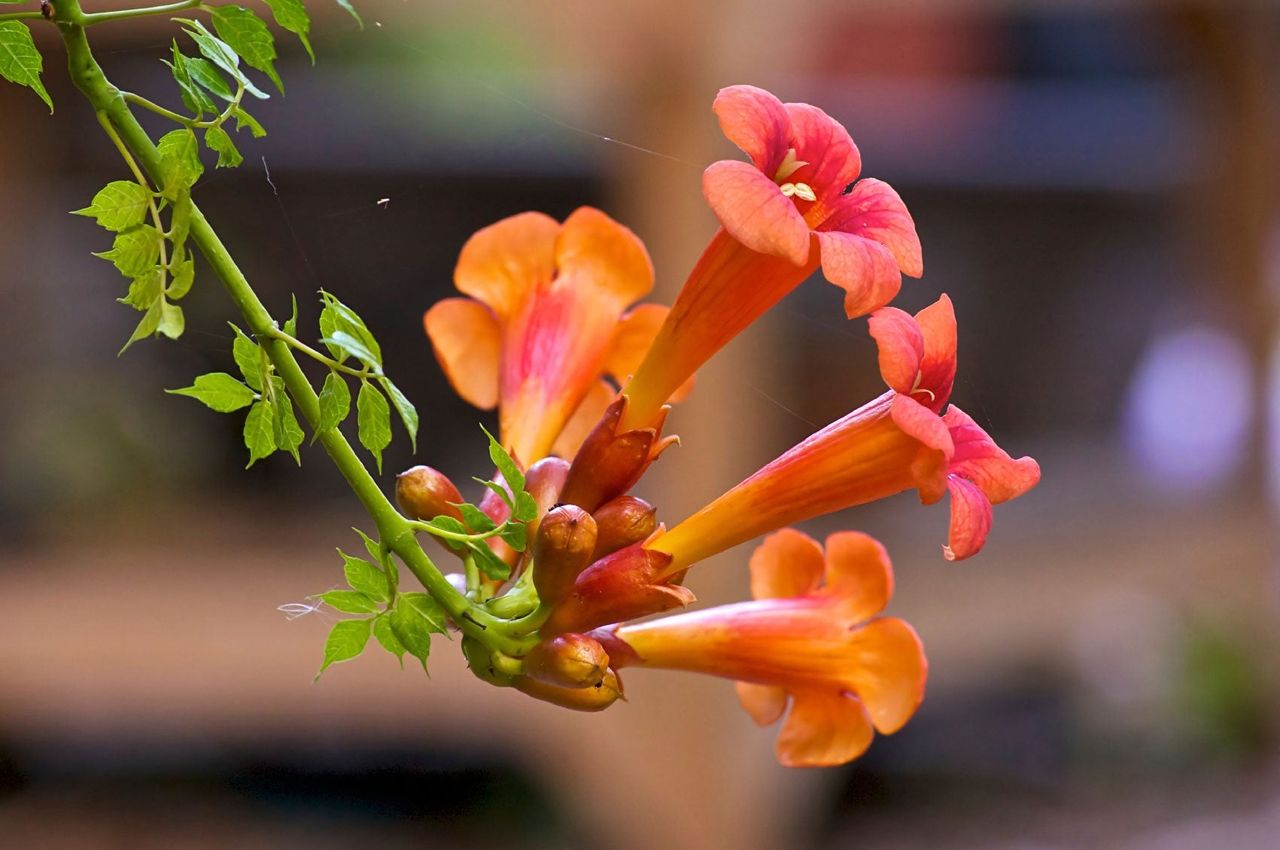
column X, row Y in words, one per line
column 545, row 325
column 873, row 210
column 979, row 459
column 970, row 519
column 846, row 675
column 755, row 121
column 918, row 353
column 754, row 212
column 863, row 268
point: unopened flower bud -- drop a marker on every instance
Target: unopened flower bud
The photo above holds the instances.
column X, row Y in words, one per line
column 621, row 522
column 595, row 698
column 426, row 493
column 610, row 461
column 622, row 586
column 561, row 550
column 569, row 661
column 545, row 480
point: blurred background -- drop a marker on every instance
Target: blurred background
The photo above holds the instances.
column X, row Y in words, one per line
column 1095, row 186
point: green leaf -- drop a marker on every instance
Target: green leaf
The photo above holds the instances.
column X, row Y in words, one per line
column 244, row 119
column 145, row 289
column 346, row 4
column 291, row 15
column 219, row 391
column 366, row 578
column 248, row 36
column 219, row 53
column 180, row 223
column 373, row 416
column 217, row 140
column 135, row 251
column 184, row 273
column 526, row 508
column 412, row 630
column 349, row 602
column 291, row 324
column 180, row 165
column 259, row 431
column 349, row 345
column 248, row 358
column 478, row 522
column 146, row 327
column 346, row 640
column 428, row 609
column 337, row 316
column 489, row 563
column 516, row 535
column 288, row 432
column 20, row 62
column 384, row 558
column 172, row 321
column 387, row 637
column 335, row 403
column 205, row 73
column 447, row 524
column 119, row 205
column 404, row 407
column 511, row 473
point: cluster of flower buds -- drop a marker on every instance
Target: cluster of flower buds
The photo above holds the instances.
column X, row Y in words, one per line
column 583, row 383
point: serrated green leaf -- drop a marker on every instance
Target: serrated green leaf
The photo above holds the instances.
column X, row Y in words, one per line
column 346, row 640
column 180, row 223
column 349, row 345
column 135, row 251
column 291, row 15
column 20, row 61
column 349, row 602
column 365, row 577
column 184, row 274
column 248, row 35
column 511, row 473
column 477, row 521
column 217, row 140
column 346, row 4
column 144, row 289
column 248, row 359
column 244, row 119
column 516, row 535
column 347, row 320
column 195, row 97
column 412, row 630
column 287, row 430
column 119, row 205
column 373, row 417
column 219, row 53
column 335, row 403
column 172, row 320
column 384, row 558
column 428, row 609
column 489, row 563
column 218, row 391
column 146, row 327
column 206, row 75
column 387, row 637
column 180, row 165
column 498, row 490
column 404, row 407
column 259, row 431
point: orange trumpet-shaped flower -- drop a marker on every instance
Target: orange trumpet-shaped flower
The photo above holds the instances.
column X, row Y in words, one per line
column 547, row 321
column 798, row 204
column 812, row 637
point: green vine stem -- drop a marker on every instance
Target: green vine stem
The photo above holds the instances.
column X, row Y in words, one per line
column 88, row 19
column 397, row 532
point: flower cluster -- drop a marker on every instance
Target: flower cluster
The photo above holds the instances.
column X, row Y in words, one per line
column 583, row 383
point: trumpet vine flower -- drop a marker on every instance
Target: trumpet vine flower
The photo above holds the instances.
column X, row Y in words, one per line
column 546, row 319
column 812, row 637
column 797, row 205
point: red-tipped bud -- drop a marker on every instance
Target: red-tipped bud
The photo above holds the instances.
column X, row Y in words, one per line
column 621, row 522
column 621, row 586
column 544, row 481
column 610, row 462
column 561, row 550
column 426, row 493
column 568, row 661
column 596, row 698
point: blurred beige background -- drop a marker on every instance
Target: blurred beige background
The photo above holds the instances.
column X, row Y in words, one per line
column 1094, row 184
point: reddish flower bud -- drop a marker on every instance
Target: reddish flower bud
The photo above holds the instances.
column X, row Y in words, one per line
column 596, row 698
column 610, row 461
column 544, row 481
column 426, row 493
column 621, row 522
column 568, row 661
column 561, row 550
column 621, row 586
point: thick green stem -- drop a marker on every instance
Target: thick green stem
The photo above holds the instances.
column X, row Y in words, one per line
column 397, row 533
column 145, row 12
